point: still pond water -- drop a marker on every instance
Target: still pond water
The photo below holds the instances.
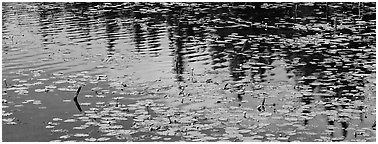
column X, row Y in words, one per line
column 188, row 72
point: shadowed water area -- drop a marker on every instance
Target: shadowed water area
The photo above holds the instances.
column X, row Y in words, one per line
column 188, row 72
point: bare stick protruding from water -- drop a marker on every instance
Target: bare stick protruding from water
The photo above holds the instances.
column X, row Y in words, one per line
column 261, row 108
column 117, row 102
column 75, row 99
column 374, row 125
column 169, row 118
column 5, row 83
column 192, row 74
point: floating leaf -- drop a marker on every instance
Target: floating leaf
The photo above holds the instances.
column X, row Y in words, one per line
column 57, row 119
column 81, row 135
column 88, row 96
column 155, row 137
column 90, row 139
column 269, row 135
column 40, row 90
column 283, row 138
column 103, row 139
column 100, row 103
column 69, row 120
column 100, row 96
column 37, row 102
column 283, row 111
column 50, row 87
column 65, row 137
column 85, row 104
column 50, row 126
column 80, row 127
column 291, row 118
column 167, row 139
column 59, row 130
column 67, row 100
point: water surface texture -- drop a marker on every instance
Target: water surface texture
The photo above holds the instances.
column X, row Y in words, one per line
column 188, row 72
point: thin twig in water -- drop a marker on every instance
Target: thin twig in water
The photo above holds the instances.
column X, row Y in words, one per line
column 75, row 99
column 5, row 82
column 261, row 107
column 374, row 125
column 192, row 74
column 263, row 102
column 169, row 118
column 117, row 102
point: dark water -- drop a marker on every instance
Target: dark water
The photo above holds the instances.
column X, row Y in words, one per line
column 189, row 71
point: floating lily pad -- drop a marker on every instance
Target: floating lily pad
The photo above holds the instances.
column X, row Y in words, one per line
column 69, row 120
column 101, row 139
column 64, row 137
column 40, row 90
column 81, row 135
column 90, row 139
column 50, row 126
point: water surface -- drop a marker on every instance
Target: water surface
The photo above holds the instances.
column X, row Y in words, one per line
column 189, row 71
